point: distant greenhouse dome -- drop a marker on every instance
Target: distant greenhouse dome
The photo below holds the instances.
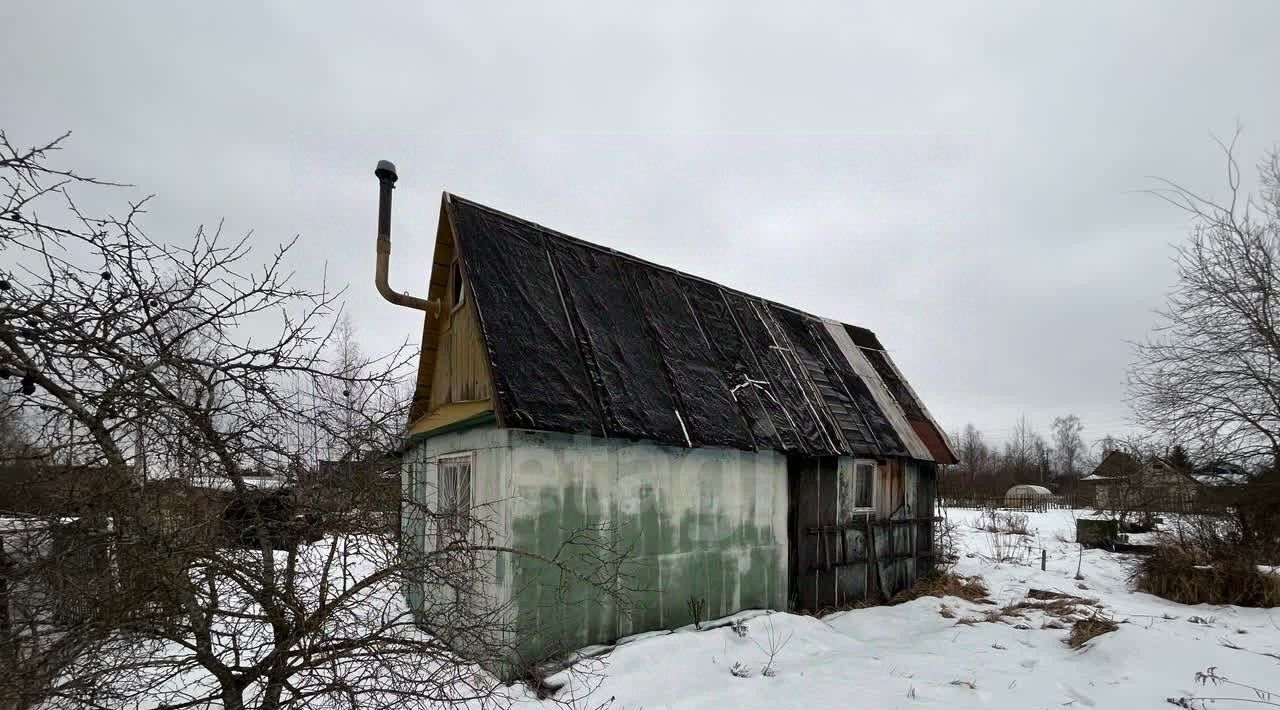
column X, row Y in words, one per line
column 1027, row 496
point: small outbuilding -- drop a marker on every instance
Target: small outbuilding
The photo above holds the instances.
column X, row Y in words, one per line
column 1027, row 496
column 751, row 455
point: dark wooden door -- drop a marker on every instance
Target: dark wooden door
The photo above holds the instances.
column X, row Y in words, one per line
column 827, row 554
column 805, row 479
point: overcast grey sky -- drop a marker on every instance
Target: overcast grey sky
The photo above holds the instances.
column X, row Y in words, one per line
column 965, row 183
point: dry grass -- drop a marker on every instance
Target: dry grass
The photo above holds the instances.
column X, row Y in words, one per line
column 1062, row 609
column 1085, row 629
column 1053, row 607
column 1057, row 604
column 988, row 617
column 944, row 584
column 864, row 603
column 1188, row 575
column 1050, row 594
column 1005, row 522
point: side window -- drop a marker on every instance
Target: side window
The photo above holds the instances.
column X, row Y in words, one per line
column 857, row 487
column 453, row 500
column 865, row 474
column 457, row 290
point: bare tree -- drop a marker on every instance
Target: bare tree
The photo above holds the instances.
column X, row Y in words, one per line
column 1043, row 455
column 1021, row 461
column 1099, row 450
column 1068, row 444
column 975, row 454
column 974, row 470
column 192, row 382
column 1208, row 377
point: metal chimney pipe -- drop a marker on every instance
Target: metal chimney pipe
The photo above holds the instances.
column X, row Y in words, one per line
column 386, row 173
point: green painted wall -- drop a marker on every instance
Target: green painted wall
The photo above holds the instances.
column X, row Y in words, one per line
column 700, row 523
column 706, row 524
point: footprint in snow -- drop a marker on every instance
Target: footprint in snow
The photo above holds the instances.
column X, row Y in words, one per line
column 1077, row 696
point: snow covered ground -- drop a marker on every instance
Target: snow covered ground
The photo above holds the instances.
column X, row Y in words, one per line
column 927, row 653
column 937, row 652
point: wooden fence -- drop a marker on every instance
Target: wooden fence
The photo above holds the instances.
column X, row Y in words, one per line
column 1025, row 503
column 1148, row 505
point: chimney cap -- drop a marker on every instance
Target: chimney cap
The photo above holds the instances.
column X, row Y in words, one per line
column 386, row 171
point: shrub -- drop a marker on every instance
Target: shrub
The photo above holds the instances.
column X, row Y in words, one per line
column 1006, row 547
column 945, row 545
column 1196, row 575
column 1005, row 522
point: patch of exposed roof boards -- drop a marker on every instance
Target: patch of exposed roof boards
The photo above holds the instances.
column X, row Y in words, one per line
column 584, row 339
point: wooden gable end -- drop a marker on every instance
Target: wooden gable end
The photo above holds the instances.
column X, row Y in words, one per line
column 453, row 368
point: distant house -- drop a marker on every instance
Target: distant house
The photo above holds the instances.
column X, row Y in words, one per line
column 360, row 469
column 40, row 487
column 752, row 455
column 1221, row 475
column 1122, row 481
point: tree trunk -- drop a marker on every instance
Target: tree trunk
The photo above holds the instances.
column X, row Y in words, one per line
column 232, row 696
column 274, row 685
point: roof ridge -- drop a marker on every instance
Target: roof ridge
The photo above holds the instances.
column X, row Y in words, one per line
column 632, row 257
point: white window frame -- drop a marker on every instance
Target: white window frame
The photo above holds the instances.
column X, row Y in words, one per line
column 849, row 467
column 464, row 524
column 870, row 483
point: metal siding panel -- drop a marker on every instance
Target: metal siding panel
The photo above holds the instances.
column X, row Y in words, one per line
column 703, row 523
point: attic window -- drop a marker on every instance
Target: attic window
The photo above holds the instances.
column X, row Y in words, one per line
column 457, row 291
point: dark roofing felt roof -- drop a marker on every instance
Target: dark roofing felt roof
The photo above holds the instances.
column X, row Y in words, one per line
column 584, row 339
column 1116, row 464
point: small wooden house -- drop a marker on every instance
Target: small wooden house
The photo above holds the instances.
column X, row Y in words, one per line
column 1122, row 481
column 750, row 455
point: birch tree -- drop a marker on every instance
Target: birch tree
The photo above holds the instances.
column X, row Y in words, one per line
column 1068, row 444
